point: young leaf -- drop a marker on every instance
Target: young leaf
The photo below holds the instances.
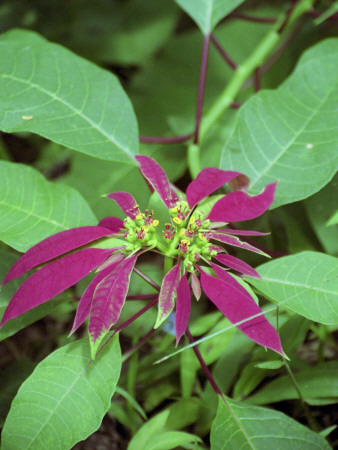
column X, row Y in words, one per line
column 168, row 294
column 232, row 240
column 238, row 206
column 67, row 399
column 256, row 428
column 126, row 202
column 237, row 264
column 52, row 279
column 183, row 306
column 241, row 232
column 68, row 99
column 207, row 182
column 108, row 301
column 85, row 302
column 207, row 13
column 196, row 286
column 54, row 246
column 158, row 179
column 236, row 306
column 306, row 283
column 290, row 134
column 33, row 208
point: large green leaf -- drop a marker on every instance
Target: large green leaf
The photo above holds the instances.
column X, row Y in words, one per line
column 48, row 90
column 290, row 134
column 65, row 398
column 315, row 383
column 253, row 427
column 207, row 13
column 307, row 283
column 32, row 208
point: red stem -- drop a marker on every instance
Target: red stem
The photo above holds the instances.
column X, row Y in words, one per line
column 251, row 18
column 288, row 15
column 141, row 297
column 147, row 279
column 224, row 54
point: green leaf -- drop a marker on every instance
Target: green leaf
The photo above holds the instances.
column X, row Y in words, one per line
column 65, row 398
column 307, row 283
column 32, row 208
column 46, row 89
column 333, row 220
column 252, row 427
column 148, row 430
column 320, row 208
column 290, row 134
column 207, row 13
column 314, row 383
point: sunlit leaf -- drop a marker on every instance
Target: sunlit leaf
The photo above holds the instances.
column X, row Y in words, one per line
column 32, row 208
column 290, row 134
column 307, row 283
column 67, row 394
column 48, row 90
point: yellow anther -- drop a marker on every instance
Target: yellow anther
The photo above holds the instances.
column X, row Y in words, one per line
column 182, row 232
column 177, row 220
column 185, row 242
column 139, row 216
column 155, row 223
column 192, row 220
column 146, row 229
column 201, row 236
column 174, row 210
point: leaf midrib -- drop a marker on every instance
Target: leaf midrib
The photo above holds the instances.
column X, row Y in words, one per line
column 73, row 109
column 294, row 284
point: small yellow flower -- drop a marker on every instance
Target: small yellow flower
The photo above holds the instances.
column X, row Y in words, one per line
column 155, row 223
column 177, row 220
column 201, row 236
column 185, row 242
column 139, row 216
column 182, row 232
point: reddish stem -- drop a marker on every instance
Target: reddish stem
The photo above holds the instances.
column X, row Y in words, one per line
column 316, row 14
column 201, row 86
column 147, row 279
column 288, row 15
column 257, row 79
column 135, row 347
column 203, row 365
column 235, row 105
column 224, row 54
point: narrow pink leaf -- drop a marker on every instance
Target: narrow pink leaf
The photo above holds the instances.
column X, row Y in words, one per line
column 126, row 202
column 238, row 206
column 168, row 294
column 183, row 306
column 237, row 307
column 55, row 246
column 242, row 232
column 113, row 223
column 196, row 286
column 232, row 240
column 109, row 298
column 206, row 182
column 158, row 179
column 52, row 279
column 224, row 275
column 85, row 301
column 237, row 264
column 112, row 260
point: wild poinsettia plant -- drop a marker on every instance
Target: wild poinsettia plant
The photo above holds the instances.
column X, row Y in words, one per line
column 192, row 243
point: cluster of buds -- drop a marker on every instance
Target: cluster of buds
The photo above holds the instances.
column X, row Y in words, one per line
column 140, row 232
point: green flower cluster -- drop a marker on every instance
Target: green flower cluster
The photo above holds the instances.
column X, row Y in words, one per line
column 186, row 236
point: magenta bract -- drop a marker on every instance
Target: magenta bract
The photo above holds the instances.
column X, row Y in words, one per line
column 237, row 264
column 238, row 206
column 241, row 232
column 109, row 298
column 207, row 181
column 52, row 279
column 168, row 294
column 158, row 179
column 126, row 202
column 237, row 307
column 183, row 306
column 196, row 286
column 232, row 240
column 54, row 246
column 113, row 223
